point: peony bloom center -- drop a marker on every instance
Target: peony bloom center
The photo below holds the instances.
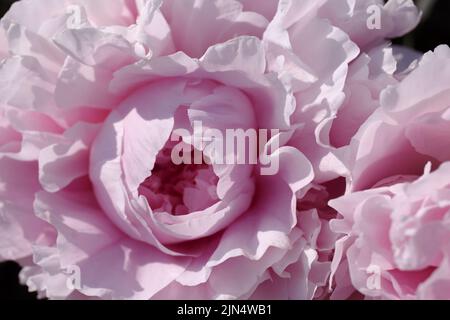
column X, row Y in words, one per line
column 179, row 189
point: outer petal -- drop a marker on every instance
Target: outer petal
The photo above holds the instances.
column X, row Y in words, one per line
column 216, row 21
column 78, row 221
column 61, row 163
column 20, row 229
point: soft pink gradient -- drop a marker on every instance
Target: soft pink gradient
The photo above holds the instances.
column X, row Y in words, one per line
column 92, row 91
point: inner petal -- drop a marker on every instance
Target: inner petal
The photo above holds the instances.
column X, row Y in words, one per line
column 179, row 189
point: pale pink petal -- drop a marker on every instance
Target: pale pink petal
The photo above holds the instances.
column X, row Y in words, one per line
column 216, row 21
column 61, row 163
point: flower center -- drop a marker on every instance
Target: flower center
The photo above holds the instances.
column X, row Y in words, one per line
column 179, row 189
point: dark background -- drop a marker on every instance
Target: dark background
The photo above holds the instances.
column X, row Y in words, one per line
column 433, row 30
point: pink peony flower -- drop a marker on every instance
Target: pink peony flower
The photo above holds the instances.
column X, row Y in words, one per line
column 116, row 176
column 336, row 67
column 92, row 93
column 394, row 217
column 397, row 238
